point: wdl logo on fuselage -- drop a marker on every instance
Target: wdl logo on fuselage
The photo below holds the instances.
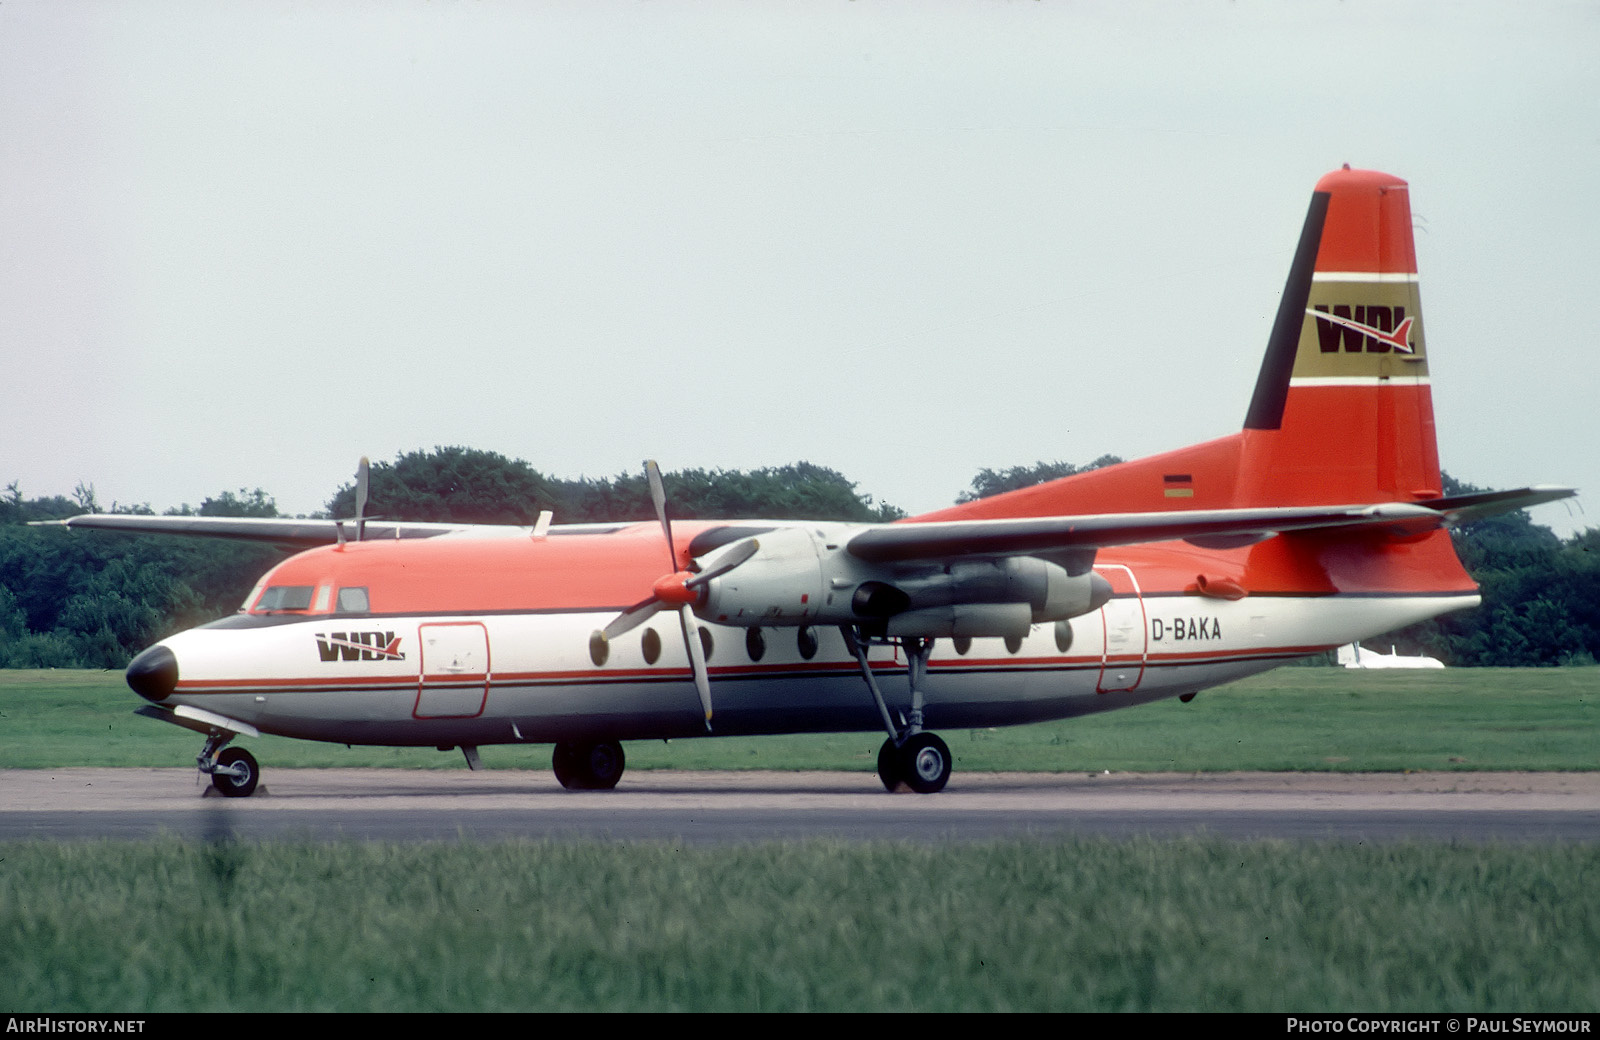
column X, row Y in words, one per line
column 359, row 646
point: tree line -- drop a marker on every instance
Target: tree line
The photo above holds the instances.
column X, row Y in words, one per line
column 82, row 600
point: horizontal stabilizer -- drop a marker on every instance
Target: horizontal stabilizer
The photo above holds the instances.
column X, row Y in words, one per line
column 1464, row 509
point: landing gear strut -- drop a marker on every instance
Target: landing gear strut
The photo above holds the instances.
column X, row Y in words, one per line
column 234, row 772
column 588, row 767
column 911, row 757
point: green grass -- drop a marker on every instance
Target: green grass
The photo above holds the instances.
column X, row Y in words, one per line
column 1125, row 925
column 822, row 926
column 1291, row 719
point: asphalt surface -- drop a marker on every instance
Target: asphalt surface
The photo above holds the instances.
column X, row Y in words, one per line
column 698, row 807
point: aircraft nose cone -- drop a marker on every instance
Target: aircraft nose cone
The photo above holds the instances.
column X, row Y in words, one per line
column 153, row 675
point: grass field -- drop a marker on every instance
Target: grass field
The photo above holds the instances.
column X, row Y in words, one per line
column 1061, row 926
column 1100, row 925
column 1290, row 719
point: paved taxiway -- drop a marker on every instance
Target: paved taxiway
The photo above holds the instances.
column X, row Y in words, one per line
column 411, row 805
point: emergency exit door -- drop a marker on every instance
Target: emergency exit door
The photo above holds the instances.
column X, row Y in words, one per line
column 1125, row 629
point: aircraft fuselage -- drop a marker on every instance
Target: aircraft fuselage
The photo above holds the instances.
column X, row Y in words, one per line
column 534, row 676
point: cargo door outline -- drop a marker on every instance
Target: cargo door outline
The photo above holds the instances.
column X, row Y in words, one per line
column 454, row 670
column 1124, row 631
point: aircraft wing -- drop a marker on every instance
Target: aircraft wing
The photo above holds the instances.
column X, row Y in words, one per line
column 909, row 541
column 1215, row 528
column 276, row 530
column 301, row 534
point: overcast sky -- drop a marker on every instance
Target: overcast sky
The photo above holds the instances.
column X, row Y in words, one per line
column 245, row 243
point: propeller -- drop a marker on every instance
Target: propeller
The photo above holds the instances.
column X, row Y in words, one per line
column 680, row 589
column 361, row 504
column 361, row 497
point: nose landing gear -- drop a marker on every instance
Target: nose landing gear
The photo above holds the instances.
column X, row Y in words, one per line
column 233, row 771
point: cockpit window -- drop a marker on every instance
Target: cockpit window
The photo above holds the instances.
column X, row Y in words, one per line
column 353, row 600
column 284, row 597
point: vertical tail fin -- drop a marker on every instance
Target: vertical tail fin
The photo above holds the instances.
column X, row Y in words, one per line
column 1342, row 410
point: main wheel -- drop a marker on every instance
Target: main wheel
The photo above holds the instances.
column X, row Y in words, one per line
column 588, row 767
column 889, row 770
column 243, row 763
column 603, row 765
column 925, row 763
column 564, row 760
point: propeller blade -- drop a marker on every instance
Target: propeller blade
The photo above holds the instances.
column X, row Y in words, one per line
column 733, row 556
column 362, row 478
column 632, row 618
column 658, row 496
column 669, row 586
column 697, row 659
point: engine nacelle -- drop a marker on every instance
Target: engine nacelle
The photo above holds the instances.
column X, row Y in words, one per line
column 782, row 584
column 1011, row 620
column 805, row 576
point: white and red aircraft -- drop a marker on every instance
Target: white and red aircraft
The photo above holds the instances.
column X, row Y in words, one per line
column 1322, row 522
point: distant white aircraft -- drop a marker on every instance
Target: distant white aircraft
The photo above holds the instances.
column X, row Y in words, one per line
column 1353, row 656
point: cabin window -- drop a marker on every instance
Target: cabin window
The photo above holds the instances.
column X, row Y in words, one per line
column 284, row 597
column 353, row 600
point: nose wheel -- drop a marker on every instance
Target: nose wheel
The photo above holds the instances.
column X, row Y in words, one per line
column 235, row 774
column 233, row 770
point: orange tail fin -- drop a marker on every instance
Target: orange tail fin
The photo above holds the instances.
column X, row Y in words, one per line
column 1342, row 410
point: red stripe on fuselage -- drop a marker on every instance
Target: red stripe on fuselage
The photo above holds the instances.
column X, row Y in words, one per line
column 811, row 668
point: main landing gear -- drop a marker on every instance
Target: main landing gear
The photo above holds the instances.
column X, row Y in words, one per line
column 911, row 758
column 588, row 767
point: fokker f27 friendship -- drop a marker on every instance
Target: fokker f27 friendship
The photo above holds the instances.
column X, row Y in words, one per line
column 1320, row 523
